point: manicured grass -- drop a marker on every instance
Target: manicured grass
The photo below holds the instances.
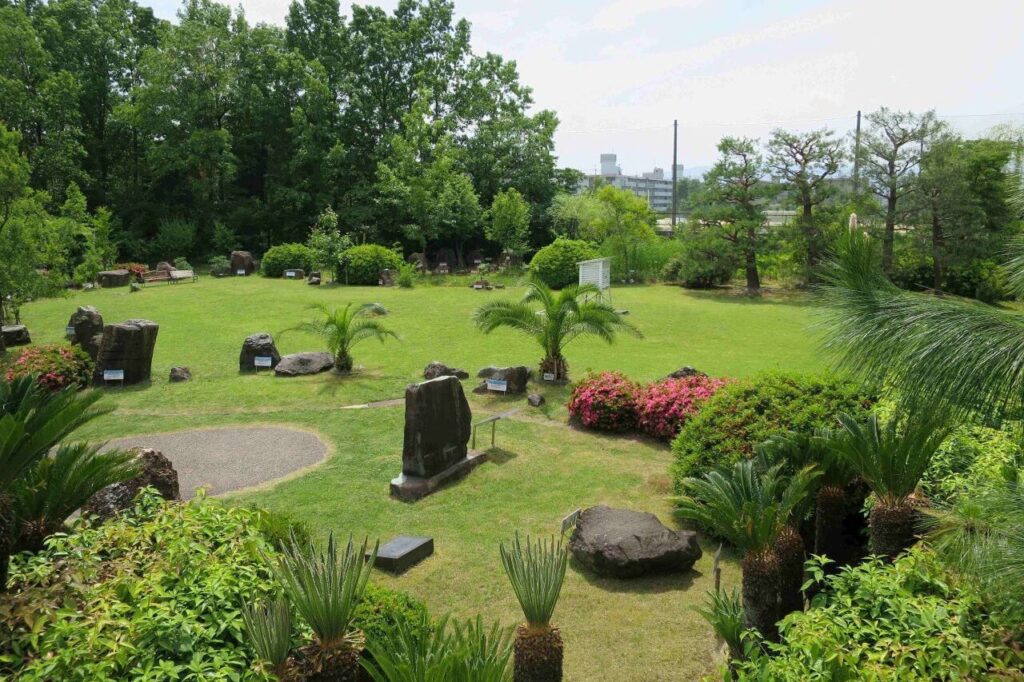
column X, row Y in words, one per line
column 542, row 469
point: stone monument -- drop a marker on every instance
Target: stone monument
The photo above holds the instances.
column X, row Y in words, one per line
column 438, row 424
column 258, row 346
column 127, row 346
column 85, row 329
column 242, row 262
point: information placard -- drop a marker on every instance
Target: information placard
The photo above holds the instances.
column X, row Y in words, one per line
column 549, row 376
column 263, row 361
column 240, row 272
column 70, row 331
column 290, row 274
column 113, row 375
column 497, row 385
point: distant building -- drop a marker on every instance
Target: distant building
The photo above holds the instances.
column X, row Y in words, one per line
column 653, row 186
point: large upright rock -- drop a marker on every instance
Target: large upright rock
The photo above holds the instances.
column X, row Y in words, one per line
column 85, row 329
column 621, row 543
column 156, row 471
column 164, row 266
column 15, row 335
column 516, row 377
column 242, row 260
column 254, row 346
column 127, row 346
column 438, row 423
column 114, row 278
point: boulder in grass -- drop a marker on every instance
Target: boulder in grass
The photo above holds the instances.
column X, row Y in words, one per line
column 439, row 369
column 242, row 261
column 255, row 346
column 15, row 335
column 621, row 543
column 164, row 266
column 516, row 377
column 127, row 346
column 535, row 399
column 157, row 472
column 303, row 364
column 685, row 372
column 180, row 374
column 313, row 281
column 114, row 278
column 85, row 329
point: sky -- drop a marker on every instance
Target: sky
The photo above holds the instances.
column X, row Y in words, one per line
column 618, row 72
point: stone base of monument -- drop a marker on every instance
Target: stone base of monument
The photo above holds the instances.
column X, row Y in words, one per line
column 402, row 553
column 411, row 488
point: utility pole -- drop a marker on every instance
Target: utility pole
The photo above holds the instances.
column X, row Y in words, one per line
column 856, row 157
column 675, row 153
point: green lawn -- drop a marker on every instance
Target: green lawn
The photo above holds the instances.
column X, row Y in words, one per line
column 633, row 630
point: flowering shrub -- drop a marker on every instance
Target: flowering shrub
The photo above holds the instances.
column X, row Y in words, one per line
column 664, row 407
column 137, row 269
column 56, row 365
column 605, row 401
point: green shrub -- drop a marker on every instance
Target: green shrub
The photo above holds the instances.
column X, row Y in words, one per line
column 56, row 365
column 971, row 457
column 362, row 264
column 173, row 238
column 555, row 264
column 905, row 621
column 704, row 261
column 380, row 610
column 279, row 528
column 283, row 257
column 746, row 413
column 406, row 276
column 220, row 266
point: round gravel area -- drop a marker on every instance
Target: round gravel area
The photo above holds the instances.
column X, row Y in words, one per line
column 225, row 459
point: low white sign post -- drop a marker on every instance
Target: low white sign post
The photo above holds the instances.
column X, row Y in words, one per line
column 113, row 375
column 70, row 331
column 549, row 376
column 240, row 272
column 497, row 385
column 262, row 361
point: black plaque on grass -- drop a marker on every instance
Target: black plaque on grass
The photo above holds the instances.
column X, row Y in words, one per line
column 403, row 552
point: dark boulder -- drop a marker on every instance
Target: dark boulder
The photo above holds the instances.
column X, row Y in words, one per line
column 439, row 369
column 301, row 364
column 16, row 335
column 387, row 277
column 114, row 278
column 180, row 374
column 85, row 328
column 127, row 346
column 257, row 345
column 164, row 266
column 621, row 543
column 535, row 399
column 157, row 471
column 313, row 281
column 437, row 426
column 242, row 261
column 517, row 377
column 684, row 372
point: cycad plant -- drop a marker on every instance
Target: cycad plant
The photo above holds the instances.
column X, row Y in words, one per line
column 724, row 613
column 536, row 571
column 343, row 328
column 58, row 485
column 891, row 458
column 269, row 628
column 325, row 585
column 33, row 420
column 554, row 319
column 748, row 508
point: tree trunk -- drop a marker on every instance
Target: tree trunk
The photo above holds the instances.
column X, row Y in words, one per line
column 938, row 246
column 340, row 664
column 890, row 233
column 343, row 362
column 555, row 364
column 761, row 592
column 753, row 277
column 829, row 512
column 811, row 235
column 892, row 527
column 790, row 549
column 538, row 655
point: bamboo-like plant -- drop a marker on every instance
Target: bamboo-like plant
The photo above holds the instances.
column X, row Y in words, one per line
column 554, row 319
column 749, row 508
column 33, row 421
column 269, row 627
column 536, row 571
column 58, row 485
column 325, row 586
column 891, row 458
column 343, row 328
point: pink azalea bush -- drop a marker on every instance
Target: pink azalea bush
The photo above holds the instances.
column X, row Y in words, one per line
column 55, row 365
column 664, row 406
column 605, row 401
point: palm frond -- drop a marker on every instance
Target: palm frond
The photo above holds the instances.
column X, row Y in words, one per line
column 536, row 571
column 519, row 316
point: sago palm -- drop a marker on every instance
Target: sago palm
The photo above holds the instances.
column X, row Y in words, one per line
column 325, row 585
column 343, row 328
column 554, row 319
column 536, row 571
column 33, row 420
column 749, row 508
column 269, row 628
column 891, row 458
column 58, row 485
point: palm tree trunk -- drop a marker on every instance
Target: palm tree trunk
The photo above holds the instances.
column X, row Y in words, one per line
column 829, row 512
column 761, row 592
column 790, row 549
column 555, row 364
column 892, row 527
column 343, row 362
column 538, row 654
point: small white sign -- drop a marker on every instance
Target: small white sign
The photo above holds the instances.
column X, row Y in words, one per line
column 478, row 286
column 497, row 385
column 70, row 331
column 263, row 361
column 113, row 375
column 240, row 272
column 549, row 376
column 290, row 274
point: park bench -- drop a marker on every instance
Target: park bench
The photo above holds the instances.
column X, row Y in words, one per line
column 169, row 276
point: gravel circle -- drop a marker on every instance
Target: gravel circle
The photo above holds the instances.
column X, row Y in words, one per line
column 225, row 459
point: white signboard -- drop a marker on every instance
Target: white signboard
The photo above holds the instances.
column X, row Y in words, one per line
column 240, row 272
column 263, row 361
column 549, row 376
column 570, row 520
column 497, row 385
column 70, row 331
column 113, row 375
column 290, row 274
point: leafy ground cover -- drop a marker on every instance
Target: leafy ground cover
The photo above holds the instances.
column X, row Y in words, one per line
column 542, row 469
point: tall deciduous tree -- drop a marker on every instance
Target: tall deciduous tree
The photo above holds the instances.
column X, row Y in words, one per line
column 508, row 221
column 804, row 163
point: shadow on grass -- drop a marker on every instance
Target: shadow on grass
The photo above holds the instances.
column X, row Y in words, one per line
column 789, row 297
column 655, row 583
column 500, row 456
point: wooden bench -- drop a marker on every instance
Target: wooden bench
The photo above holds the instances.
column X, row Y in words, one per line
column 169, row 276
